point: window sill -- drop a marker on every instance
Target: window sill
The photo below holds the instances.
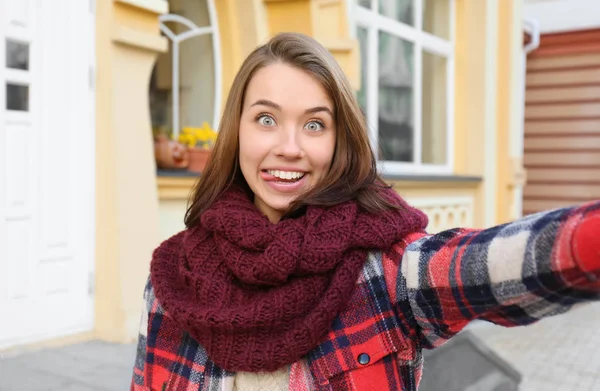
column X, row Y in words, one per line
column 177, row 184
column 139, row 39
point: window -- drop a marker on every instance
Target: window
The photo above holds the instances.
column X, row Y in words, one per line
column 17, row 97
column 406, row 81
column 18, row 76
column 17, row 55
column 193, row 51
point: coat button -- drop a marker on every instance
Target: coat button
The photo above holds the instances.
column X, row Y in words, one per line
column 364, row 359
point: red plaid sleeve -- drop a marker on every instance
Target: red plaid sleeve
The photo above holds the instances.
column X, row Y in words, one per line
column 513, row 274
column 137, row 382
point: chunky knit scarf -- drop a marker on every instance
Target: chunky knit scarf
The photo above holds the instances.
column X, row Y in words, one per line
column 258, row 296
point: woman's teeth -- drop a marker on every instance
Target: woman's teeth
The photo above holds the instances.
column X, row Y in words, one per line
column 287, row 175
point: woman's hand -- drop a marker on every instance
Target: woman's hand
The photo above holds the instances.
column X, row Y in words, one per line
column 586, row 245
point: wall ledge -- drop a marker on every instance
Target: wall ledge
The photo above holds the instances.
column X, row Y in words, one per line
column 155, row 6
column 433, row 178
column 139, row 39
column 432, row 181
column 175, row 188
column 328, row 2
column 285, row 1
column 339, row 44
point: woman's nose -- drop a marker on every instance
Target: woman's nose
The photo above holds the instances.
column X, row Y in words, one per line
column 289, row 144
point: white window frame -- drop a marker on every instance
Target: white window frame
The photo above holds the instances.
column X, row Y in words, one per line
column 374, row 22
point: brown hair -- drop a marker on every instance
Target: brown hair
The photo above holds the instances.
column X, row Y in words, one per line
column 353, row 171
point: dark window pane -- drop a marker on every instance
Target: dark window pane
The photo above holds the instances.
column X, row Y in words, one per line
column 17, row 55
column 362, row 93
column 396, row 124
column 365, row 3
column 17, row 97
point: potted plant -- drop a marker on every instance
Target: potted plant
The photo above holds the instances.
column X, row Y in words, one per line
column 168, row 153
column 199, row 142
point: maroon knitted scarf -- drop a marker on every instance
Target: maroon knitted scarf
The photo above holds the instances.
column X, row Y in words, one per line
column 258, row 296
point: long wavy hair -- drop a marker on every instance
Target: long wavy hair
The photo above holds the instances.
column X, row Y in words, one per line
column 353, row 172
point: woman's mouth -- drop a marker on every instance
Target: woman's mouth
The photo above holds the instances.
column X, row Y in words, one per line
column 284, row 181
column 286, row 176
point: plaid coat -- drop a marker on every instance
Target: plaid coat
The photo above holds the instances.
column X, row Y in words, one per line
column 417, row 296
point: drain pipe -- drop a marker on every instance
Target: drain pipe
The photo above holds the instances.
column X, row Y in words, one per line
column 531, row 26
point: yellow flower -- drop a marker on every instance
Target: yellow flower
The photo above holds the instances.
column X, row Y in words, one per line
column 187, row 139
column 203, row 137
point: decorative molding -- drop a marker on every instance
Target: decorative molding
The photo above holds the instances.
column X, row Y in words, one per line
column 155, row 6
column 139, row 39
column 446, row 212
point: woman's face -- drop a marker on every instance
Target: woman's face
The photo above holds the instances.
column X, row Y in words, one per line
column 287, row 136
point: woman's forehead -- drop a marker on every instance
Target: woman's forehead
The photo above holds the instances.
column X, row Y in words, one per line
column 287, row 87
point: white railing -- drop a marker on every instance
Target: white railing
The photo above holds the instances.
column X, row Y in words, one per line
column 445, row 212
column 194, row 31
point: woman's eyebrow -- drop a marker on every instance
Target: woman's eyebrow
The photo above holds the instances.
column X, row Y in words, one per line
column 319, row 109
column 265, row 102
column 313, row 110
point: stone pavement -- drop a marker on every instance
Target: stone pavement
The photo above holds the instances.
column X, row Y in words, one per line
column 558, row 353
column 90, row 366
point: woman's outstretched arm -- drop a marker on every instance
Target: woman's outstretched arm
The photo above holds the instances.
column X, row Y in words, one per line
column 513, row 274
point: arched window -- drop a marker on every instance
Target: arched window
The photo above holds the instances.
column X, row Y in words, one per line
column 185, row 88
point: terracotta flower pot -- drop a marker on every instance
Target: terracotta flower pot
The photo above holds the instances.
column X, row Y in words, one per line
column 198, row 159
column 170, row 154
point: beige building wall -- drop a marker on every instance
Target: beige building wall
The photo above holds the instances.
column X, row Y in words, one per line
column 486, row 60
column 126, row 199
column 136, row 209
column 171, row 213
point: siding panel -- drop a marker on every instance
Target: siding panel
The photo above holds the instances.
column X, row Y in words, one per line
column 562, row 126
column 543, row 63
column 576, row 141
column 568, row 94
column 541, row 175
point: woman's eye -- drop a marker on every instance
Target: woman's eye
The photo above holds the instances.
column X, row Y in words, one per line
column 265, row 120
column 314, row 126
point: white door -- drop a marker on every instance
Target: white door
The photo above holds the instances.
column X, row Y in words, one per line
column 46, row 169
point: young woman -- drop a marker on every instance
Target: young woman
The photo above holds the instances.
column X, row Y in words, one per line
column 300, row 270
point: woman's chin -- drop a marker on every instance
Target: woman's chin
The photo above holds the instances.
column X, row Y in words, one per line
column 280, row 205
